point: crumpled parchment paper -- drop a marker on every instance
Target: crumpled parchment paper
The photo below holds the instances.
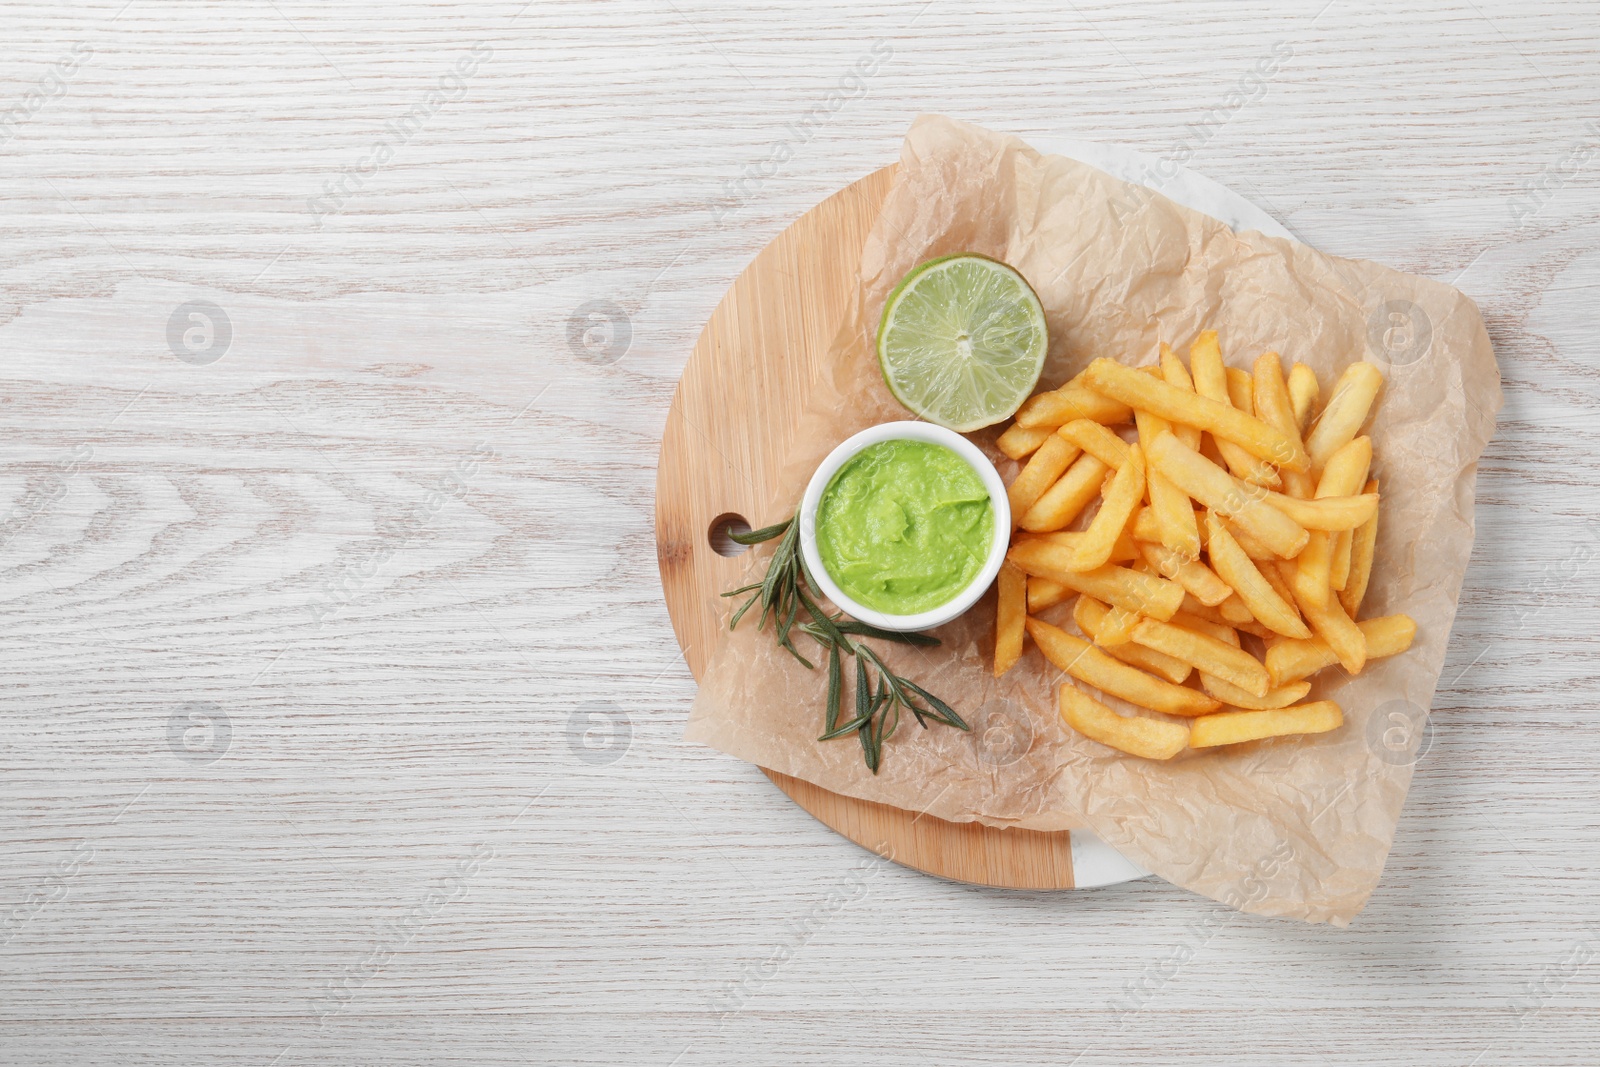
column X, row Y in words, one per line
column 1295, row 827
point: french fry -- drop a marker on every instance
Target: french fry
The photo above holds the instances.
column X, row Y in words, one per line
column 1110, row 378
column 1363, row 544
column 1019, row 442
column 1222, row 631
column 1339, row 570
column 1092, row 666
column 1233, row 727
column 1211, row 380
column 1171, row 508
column 1097, row 441
column 1345, row 472
column 1116, row 629
column 1241, row 391
column 1329, row 622
column 1089, row 614
column 1195, row 577
column 1232, row 695
column 1175, row 374
column 1269, row 394
column 1144, row 526
column 1065, row 500
column 1290, row 661
column 1342, row 417
column 1329, row 513
column 1125, row 550
column 1191, row 606
column 1310, row 578
column 1011, row 612
column 1043, row 593
column 1121, row 498
column 1204, row 653
column 1264, row 600
column 1343, row 475
column 1150, row 738
column 1221, row 492
column 1269, row 571
column 1049, row 462
column 1252, row 547
column 1303, row 390
column 1125, row 588
column 1049, row 410
column 1236, row 615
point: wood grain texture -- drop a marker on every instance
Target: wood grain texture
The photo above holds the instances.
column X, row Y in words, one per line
column 729, row 432
column 359, row 877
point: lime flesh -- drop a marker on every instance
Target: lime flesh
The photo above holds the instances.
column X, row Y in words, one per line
column 962, row 341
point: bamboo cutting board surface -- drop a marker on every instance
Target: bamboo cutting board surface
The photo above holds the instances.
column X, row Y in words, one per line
column 727, row 433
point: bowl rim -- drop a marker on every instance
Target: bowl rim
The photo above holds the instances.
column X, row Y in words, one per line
column 906, row 430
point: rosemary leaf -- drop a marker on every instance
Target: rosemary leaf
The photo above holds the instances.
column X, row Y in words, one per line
column 834, row 685
column 863, row 629
column 755, row 537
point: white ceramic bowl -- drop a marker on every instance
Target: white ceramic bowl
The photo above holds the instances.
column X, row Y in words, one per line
column 906, row 431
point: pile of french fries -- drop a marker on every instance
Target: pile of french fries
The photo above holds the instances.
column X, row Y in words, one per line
column 1228, row 558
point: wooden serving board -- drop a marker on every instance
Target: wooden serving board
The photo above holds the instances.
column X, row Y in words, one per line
column 730, row 427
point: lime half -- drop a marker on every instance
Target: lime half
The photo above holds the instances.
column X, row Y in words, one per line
column 962, row 341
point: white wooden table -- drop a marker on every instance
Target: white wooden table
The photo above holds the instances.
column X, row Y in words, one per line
column 341, row 717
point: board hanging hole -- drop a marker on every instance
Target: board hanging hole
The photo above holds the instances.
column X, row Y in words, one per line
column 722, row 529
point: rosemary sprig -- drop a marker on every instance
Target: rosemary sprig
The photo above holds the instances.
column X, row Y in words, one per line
column 785, row 592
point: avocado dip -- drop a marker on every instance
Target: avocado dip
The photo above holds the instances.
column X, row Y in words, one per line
column 905, row 526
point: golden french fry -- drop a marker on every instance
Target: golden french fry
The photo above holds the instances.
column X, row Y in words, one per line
column 1094, row 667
column 1345, row 472
column 1339, row 570
column 1049, row 462
column 1144, row 593
column 1090, row 615
column 1236, row 615
column 1311, row 566
column 1019, row 442
column 1121, row 498
column 1204, row 653
column 1320, row 570
column 1269, row 571
column 1049, row 410
column 1065, row 500
column 1211, row 380
column 1110, row 378
column 1116, row 629
column 1269, row 395
column 1219, row 491
column 1145, row 526
column 1329, row 622
column 1303, row 390
column 1252, row 547
column 1194, row 576
column 1175, row 374
column 1096, row 440
column 1171, row 508
column 1328, row 513
column 1289, row 661
column 1011, row 612
column 1265, row 601
column 1222, row 631
column 1233, row 727
column 1191, row 606
column 1231, row 694
column 1362, row 545
column 1150, row 738
column 1123, row 551
column 1344, row 413
column 1043, row 593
